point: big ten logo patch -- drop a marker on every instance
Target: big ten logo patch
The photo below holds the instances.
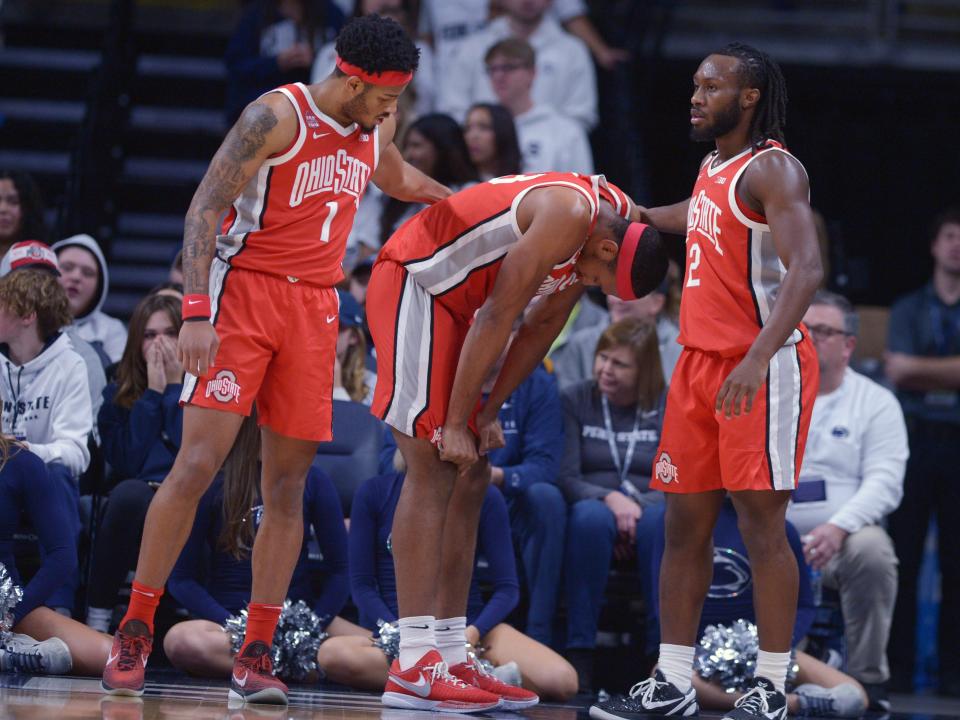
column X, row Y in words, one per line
column 665, row 470
column 224, row 387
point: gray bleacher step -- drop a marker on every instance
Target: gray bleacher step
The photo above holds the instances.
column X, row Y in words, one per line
column 132, row 250
column 164, row 170
column 199, row 68
column 171, row 119
column 42, row 110
column 49, row 59
column 150, row 224
column 36, row 161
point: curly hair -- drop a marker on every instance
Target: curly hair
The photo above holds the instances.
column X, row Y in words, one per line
column 377, row 44
column 28, row 290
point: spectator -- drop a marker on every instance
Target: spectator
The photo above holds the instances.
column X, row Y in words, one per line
column 43, row 641
column 274, row 44
column 573, row 362
column 434, row 145
column 21, row 212
column 140, row 425
column 548, row 140
column 819, row 689
column 84, row 275
column 491, row 137
column 223, row 531
column 612, row 428
column 46, row 397
column 351, row 378
column 354, row 661
column 923, row 362
column 851, row 479
column 565, row 76
column 419, row 97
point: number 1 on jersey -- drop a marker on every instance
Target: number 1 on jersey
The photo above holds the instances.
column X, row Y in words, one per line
column 325, row 230
column 694, row 255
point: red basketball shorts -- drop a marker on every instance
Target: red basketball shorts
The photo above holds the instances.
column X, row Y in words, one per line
column 418, row 343
column 278, row 341
column 700, row 450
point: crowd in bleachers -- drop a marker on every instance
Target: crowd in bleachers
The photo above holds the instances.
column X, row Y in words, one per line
column 91, row 420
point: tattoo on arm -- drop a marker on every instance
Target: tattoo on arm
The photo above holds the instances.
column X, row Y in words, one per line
column 224, row 180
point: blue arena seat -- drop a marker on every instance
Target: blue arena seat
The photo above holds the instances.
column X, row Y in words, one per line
column 353, row 454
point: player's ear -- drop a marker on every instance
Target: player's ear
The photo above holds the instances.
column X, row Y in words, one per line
column 749, row 97
column 355, row 85
column 607, row 250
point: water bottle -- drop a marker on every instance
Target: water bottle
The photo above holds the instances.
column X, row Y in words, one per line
column 816, row 585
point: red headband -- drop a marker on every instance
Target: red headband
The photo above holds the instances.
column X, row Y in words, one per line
column 628, row 250
column 389, row 78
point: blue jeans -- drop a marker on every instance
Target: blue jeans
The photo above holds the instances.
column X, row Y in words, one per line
column 538, row 519
column 64, row 596
column 591, row 536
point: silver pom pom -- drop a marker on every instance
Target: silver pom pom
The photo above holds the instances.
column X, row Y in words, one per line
column 388, row 639
column 10, row 595
column 296, row 640
column 728, row 655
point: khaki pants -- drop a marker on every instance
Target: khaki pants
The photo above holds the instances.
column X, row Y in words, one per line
column 865, row 574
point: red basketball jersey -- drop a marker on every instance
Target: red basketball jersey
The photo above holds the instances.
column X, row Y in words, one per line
column 293, row 217
column 733, row 271
column 454, row 248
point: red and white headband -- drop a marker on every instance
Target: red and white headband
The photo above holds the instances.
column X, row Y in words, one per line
column 388, row 78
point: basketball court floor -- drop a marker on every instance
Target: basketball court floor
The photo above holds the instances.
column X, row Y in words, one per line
column 173, row 697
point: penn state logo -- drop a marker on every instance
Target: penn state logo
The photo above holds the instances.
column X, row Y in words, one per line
column 731, row 574
column 224, row 387
column 665, row 470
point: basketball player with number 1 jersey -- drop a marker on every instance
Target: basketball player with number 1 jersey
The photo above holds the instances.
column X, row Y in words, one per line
column 260, row 321
column 742, row 393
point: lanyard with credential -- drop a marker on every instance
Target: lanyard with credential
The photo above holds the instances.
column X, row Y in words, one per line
column 622, row 470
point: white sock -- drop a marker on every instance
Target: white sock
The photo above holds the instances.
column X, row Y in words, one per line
column 416, row 639
column 99, row 618
column 773, row 666
column 676, row 664
column 452, row 640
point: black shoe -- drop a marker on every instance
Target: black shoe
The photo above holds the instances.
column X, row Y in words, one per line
column 653, row 696
column 877, row 696
column 762, row 701
column 582, row 661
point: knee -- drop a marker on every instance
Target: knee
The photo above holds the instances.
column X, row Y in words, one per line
column 183, row 647
column 870, row 551
column 192, row 472
column 589, row 518
column 763, row 538
column 545, row 499
column 130, row 496
column 336, row 660
column 284, row 495
column 563, row 683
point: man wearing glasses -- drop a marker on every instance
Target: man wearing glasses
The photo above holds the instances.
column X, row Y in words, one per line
column 850, row 480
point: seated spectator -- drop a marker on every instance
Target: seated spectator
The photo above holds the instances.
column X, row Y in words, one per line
column 351, row 378
column 565, row 77
column 434, row 145
column 573, row 362
column 851, row 479
column 419, row 98
column 43, row 641
column 356, row 662
column 84, row 276
column 21, row 212
column 549, row 141
column 274, row 44
column 213, row 577
column 923, row 362
column 818, row 688
column 140, row 426
column 612, row 428
column 492, row 143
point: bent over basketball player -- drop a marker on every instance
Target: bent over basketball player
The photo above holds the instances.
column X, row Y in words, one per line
column 260, row 320
column 742, row 393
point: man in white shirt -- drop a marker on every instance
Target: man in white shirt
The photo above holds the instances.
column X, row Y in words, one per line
column 548, row 140
column 852, row 478
column 565, row 78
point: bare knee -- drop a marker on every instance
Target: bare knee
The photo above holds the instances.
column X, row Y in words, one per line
column 284, row 495
column 563, row 683
column 183, row 646
column 339, row 659
column 764, row 537
column 193, row 472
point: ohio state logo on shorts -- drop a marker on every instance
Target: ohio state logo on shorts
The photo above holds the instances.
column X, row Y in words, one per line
column 665, row 469
column 224, row 387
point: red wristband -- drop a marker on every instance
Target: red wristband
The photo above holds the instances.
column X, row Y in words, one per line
column 196, row 306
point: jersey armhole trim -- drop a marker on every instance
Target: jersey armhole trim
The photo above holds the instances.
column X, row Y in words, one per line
column 747, row 216
column 297, row 144
column 520, row 196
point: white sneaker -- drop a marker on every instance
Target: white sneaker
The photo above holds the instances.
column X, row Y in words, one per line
column 844, row 700
column 21, row 653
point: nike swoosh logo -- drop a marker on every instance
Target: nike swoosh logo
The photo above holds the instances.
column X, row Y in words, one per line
column 112, row 657
column 240, row 681
column 189, row 302
column 331, row 318
column 662, row 703
column 421, row 687
column 317, row 136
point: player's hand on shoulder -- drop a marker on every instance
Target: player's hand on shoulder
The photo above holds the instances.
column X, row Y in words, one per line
column 459, row 446
column 740, row 388
column 197, row 347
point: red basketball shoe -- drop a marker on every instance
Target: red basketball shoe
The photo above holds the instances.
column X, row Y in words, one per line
column 123, row 674
column 429, row 686
column 253, row 680
column 514, row 698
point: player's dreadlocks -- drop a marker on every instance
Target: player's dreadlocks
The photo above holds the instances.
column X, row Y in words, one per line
column 759, row 70
column 377, row 44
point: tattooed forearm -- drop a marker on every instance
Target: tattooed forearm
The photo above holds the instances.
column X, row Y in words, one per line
column 228, row 173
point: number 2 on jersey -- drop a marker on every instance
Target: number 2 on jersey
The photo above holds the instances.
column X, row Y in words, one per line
column 694, row 255
column 325, row 230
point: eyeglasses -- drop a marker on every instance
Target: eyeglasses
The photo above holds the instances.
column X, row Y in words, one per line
column 504, row 68
column 825, row 332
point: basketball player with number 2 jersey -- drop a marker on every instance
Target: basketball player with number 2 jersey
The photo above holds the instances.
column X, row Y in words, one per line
column 742, row 393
